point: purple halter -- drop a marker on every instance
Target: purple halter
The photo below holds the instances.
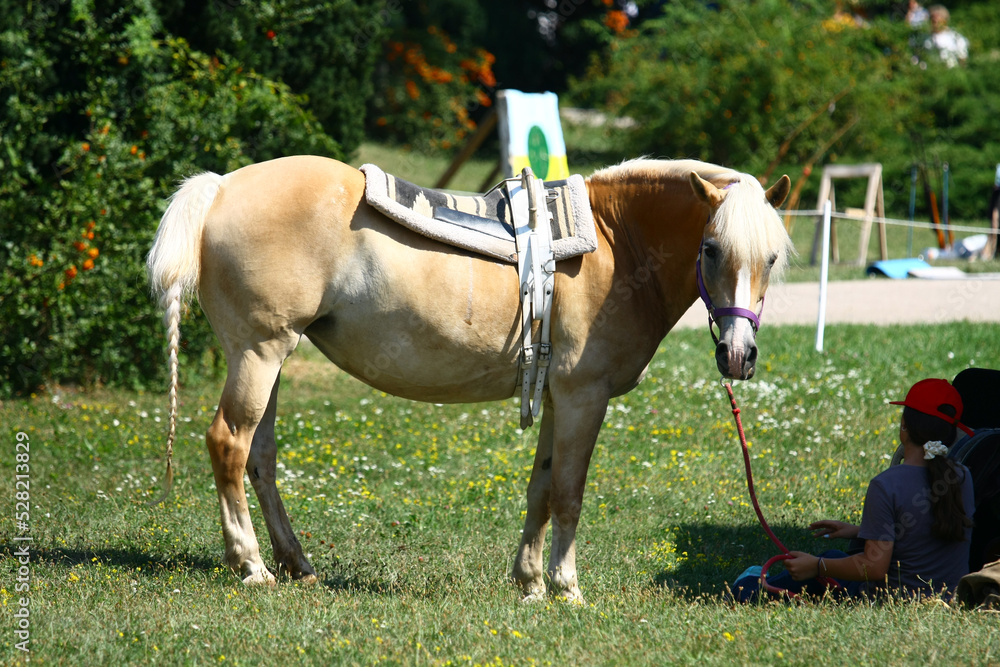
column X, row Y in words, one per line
column 713, row 312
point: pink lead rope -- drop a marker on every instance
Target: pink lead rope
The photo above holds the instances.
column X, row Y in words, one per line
column 784, row 555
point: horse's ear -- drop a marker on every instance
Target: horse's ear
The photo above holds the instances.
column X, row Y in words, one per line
column 776, row 193
column 705, row 191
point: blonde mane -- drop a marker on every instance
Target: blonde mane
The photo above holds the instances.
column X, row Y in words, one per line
column 746, row 226
column 656, row 170
column 749, row 229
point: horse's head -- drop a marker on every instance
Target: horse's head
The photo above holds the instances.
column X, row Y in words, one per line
column 743, row 247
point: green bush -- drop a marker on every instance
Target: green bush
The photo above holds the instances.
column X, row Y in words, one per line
column 101, row 118
column 735, row 82
column 323, row 50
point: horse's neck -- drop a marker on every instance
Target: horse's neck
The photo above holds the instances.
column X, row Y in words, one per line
column 656, row 227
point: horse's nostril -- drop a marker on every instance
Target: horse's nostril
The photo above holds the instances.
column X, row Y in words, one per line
column 750, row 362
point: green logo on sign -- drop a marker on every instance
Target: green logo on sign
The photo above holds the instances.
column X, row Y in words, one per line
column 538, row 152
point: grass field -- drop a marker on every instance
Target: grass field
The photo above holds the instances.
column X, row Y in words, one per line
column 411, row 514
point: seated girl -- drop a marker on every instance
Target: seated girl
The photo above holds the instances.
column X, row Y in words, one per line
column 915, row 523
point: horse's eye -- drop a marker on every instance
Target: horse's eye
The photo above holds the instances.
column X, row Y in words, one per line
column 711, row 252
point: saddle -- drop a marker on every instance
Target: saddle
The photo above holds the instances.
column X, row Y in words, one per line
column 521, row 221
column 483, row 224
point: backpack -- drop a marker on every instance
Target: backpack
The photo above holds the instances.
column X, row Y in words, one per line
column 980, row 453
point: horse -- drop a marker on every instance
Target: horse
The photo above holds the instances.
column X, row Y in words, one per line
column 290, row 247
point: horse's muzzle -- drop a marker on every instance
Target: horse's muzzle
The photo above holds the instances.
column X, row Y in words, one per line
column 736, row 362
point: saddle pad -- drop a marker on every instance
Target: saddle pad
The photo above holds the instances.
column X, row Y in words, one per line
column 482, row 223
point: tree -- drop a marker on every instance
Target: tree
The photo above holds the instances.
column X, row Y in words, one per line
column 743, row 83
column 102, row 115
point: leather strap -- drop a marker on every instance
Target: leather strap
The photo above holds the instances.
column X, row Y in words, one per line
column 536, row 275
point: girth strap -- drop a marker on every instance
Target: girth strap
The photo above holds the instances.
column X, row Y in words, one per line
column 536, row 273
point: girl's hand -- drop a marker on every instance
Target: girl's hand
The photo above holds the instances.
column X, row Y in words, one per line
column 803, row 566
column 831, row 528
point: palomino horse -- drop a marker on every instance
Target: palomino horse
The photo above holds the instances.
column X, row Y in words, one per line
column 290, row 247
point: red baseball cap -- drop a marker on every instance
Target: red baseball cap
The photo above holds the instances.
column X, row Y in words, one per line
column 927, row 395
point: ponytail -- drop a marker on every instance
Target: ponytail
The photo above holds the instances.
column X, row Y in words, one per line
column 944, row 477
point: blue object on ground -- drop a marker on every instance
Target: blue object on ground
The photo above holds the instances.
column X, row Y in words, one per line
column 896, row 268
column 752, row 571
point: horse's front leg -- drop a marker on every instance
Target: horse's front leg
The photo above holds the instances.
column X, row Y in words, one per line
column 262, row 468
column 528, row 570
column 578, row 418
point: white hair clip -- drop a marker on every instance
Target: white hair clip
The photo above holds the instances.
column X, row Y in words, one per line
column 934, row 448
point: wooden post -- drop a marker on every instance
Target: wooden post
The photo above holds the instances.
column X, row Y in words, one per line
column 486, row 126
column 874, row 204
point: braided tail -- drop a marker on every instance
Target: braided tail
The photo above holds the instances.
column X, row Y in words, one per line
column 174, row 265
column 172, row 320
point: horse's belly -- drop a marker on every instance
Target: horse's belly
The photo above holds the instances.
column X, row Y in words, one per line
column 431, row 326
column 404, row 357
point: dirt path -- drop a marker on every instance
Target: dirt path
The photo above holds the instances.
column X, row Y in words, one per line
column 876, row 301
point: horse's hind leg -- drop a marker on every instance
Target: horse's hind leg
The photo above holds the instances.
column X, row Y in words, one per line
column 261, row 468
column 528, row 571
column 251, row 376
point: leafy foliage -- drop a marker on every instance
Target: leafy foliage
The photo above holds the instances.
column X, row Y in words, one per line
column 747, row 83
column 324, row 51
column 101, row 119
column 434, row 82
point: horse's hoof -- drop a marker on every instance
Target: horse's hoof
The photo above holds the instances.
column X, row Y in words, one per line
column 307, row 579
column 536, row 596
column 261, row 578
column 571, row 597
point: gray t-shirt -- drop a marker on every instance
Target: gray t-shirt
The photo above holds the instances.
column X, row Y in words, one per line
column 898, row 509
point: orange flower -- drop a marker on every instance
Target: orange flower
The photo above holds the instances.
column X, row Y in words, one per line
column 80, row 245
column 93, row 253
column 382, row 121
column 34, row 261
column 617, row 20
column 90, row 235
column 85, row 147
column 134, row 149
column 483, row 98
column 88, row 264
column 91, row 225
column 412, row 90
column 123, row 60
column 71, row 272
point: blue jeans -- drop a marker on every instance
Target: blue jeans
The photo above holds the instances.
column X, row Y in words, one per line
column 747, row 588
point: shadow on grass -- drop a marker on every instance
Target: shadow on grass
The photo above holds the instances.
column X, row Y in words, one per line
column 123, row 558
column 717, row 555
column 384, row 578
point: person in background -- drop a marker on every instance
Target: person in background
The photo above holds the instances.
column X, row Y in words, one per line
column 949, row 45
column 916, row 15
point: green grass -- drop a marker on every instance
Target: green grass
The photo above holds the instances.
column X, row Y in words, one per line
column 411, row 513
column 590, row 150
